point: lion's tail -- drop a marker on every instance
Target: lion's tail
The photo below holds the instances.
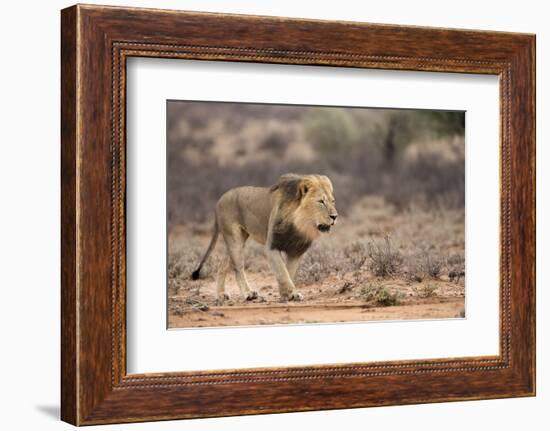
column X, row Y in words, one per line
column 196, row 273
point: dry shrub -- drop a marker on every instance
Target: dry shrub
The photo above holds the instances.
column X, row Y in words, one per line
column 380, row 295
column 414, row 273
column 357, row 254
column 384, row 259
column 331, row 257
column 456, row 267
column 318, row 263
column 181, row 264
column 432, row 264
column 255, row 259
column 425, row 291
column 424, row 263
column 177, row 267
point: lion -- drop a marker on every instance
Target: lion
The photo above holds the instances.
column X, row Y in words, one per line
column 286, row 218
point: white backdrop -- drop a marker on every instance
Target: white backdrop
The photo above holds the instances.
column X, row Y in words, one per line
column 151, row 348
column 29, row 216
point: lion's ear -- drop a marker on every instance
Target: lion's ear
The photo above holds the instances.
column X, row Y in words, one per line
column 304, row 187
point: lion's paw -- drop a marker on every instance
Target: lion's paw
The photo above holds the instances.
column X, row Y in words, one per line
column 251, row 296
column 220, row 300
column 295, row 296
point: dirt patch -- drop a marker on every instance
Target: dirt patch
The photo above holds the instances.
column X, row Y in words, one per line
column 309, row 313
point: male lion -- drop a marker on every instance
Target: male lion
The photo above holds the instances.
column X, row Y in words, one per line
column 285, row 217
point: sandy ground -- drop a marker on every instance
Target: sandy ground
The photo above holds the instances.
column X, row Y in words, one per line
column 333, row 300
column 308, row 313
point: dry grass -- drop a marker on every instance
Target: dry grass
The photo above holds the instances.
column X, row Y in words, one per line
column 376, row 254
column 425, row 291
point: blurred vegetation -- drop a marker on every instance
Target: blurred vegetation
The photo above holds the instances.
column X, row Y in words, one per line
column 445, row 123
column 331, row 131
column 409, row 157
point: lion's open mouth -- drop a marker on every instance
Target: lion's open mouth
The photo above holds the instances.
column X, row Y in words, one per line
column 323, row 227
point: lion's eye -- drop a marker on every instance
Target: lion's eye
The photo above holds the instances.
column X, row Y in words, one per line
column 321, row 201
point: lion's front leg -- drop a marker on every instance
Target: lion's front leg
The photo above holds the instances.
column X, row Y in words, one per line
column 287, row 290
column 292, row 263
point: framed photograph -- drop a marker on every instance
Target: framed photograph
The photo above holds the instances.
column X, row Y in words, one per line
column 263, row 214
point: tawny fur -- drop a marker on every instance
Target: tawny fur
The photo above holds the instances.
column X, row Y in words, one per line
column 286, row 218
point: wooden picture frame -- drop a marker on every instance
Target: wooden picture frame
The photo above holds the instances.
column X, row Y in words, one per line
column 95, row 43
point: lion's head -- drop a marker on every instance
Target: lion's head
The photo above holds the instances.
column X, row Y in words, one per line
column 309, row 201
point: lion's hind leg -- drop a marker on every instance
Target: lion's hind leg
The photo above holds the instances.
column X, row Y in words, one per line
column 235, row 241
column 223, row 269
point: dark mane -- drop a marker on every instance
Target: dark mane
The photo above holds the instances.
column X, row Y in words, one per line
column 288, row 185
column 287, row 238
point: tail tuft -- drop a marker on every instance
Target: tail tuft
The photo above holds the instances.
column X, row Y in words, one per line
column 196, row 274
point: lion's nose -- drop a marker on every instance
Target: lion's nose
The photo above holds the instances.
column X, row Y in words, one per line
column 333, row 217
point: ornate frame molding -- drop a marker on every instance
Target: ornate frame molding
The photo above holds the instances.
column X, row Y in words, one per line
column 96, row 41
